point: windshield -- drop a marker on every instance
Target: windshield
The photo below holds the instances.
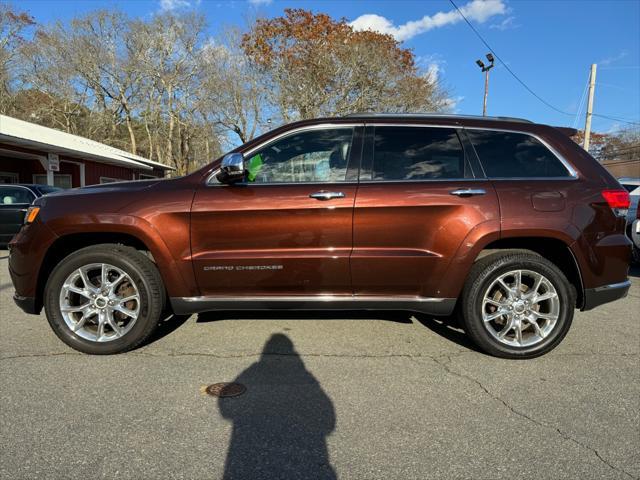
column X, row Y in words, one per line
column 44, row 189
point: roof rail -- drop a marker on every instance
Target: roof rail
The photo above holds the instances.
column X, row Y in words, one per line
column 436, row 115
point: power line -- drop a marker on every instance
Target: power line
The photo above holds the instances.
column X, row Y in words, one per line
column 623, row 120
column 520, row 81
column 582, row 98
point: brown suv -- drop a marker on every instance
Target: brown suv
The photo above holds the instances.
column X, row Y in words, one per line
column 507, row 222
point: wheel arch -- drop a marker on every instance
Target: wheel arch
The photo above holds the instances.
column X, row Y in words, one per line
column 69, row 243
column 153, row 247
column 553, row 249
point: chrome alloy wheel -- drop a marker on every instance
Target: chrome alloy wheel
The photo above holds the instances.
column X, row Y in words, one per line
column 99, row 302
column 520, row 308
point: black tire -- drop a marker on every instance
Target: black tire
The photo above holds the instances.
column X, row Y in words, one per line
column 635, row 255
column 141, row 270
column 482, row 275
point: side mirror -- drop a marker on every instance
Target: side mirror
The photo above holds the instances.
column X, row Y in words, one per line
column 232, row 168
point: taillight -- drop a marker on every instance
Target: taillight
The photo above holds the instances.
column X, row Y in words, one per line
column 618, row 201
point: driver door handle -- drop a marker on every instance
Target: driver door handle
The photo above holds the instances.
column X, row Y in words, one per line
column 467, row 192
column 326, row 195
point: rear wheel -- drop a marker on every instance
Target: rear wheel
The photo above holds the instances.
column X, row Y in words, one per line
column 517, row 305
column 104, row 299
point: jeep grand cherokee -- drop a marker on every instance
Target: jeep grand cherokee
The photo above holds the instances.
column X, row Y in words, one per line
column 508, row 223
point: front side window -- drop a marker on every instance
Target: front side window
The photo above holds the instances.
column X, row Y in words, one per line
column 304, row 157
column 417, row 153
column 515, row 155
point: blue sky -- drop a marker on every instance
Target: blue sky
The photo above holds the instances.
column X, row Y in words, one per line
column 549, row 44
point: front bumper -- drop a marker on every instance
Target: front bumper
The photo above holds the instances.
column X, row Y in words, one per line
column 605, row 294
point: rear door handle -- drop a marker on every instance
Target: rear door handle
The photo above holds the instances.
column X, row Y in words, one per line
column 468, row 192
column 326, row 195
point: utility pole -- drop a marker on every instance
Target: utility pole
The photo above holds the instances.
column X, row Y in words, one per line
column 485, row 69
column 587, row 125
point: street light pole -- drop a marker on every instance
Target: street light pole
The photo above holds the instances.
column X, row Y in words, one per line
column 486, row 92
column 485, row 69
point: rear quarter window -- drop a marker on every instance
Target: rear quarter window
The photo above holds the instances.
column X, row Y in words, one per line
column 515, row 155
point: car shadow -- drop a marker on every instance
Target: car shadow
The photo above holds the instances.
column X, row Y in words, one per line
column 167, row 325
column 281, row 423
column 390, row 316
column 634, row 271
column 446, row 327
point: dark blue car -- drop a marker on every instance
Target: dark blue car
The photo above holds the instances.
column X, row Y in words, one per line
column 14, row 201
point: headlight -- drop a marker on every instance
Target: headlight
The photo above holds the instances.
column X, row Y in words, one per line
column 31, row 215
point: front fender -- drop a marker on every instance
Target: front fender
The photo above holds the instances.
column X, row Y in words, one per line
column 172, row 257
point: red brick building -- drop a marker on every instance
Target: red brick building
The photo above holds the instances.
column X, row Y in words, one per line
column 31, row 153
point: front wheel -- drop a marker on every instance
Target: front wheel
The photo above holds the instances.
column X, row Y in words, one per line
column 104, row 299
column 517, row 305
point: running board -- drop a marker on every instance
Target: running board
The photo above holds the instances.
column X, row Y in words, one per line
column 429, row 306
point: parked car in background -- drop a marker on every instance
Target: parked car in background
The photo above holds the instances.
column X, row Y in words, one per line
column 14, row 202
column 632, row 185
column 507, row 222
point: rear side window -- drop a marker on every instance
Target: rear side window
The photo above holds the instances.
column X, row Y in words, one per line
column 515, row 155
column 417, row 153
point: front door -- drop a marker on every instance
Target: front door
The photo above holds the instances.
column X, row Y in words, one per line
column 287, row 228
column 421, row 194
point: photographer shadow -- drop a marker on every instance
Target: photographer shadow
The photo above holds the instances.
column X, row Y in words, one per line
column 281, row 422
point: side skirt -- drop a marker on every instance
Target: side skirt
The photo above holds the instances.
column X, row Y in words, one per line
column 429, row 306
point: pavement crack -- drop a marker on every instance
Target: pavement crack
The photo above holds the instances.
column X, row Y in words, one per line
column 565, row 435
column 40, row 355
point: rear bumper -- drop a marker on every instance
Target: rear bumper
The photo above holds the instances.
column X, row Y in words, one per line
column 27, row 304
column 605, row 294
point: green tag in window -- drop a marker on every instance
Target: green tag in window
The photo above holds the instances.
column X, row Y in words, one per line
column 254, row 167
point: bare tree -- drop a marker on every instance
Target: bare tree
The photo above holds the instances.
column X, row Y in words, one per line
column 168, row 49
column 13, row 25
column 232, row 92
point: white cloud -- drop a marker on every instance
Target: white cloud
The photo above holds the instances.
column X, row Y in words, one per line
column 168, row 5
column 506, row 24
column 260, row 2
column 476, row 10
column 613, row 59
column 432, row 65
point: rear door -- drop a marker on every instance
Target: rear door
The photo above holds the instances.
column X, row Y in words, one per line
column 14, row 202
column 287, row 228
column 421, row 194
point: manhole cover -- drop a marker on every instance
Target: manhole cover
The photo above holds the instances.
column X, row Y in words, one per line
column 225, row 389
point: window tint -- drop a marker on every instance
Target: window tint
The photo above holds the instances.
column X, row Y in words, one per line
column 11, row 195
column 417, row 153
column 311, row 156
column 515, row 155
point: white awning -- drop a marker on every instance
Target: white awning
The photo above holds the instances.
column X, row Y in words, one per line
column 30, row 135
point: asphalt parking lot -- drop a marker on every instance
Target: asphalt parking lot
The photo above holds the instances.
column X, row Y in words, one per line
column 352, row 396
